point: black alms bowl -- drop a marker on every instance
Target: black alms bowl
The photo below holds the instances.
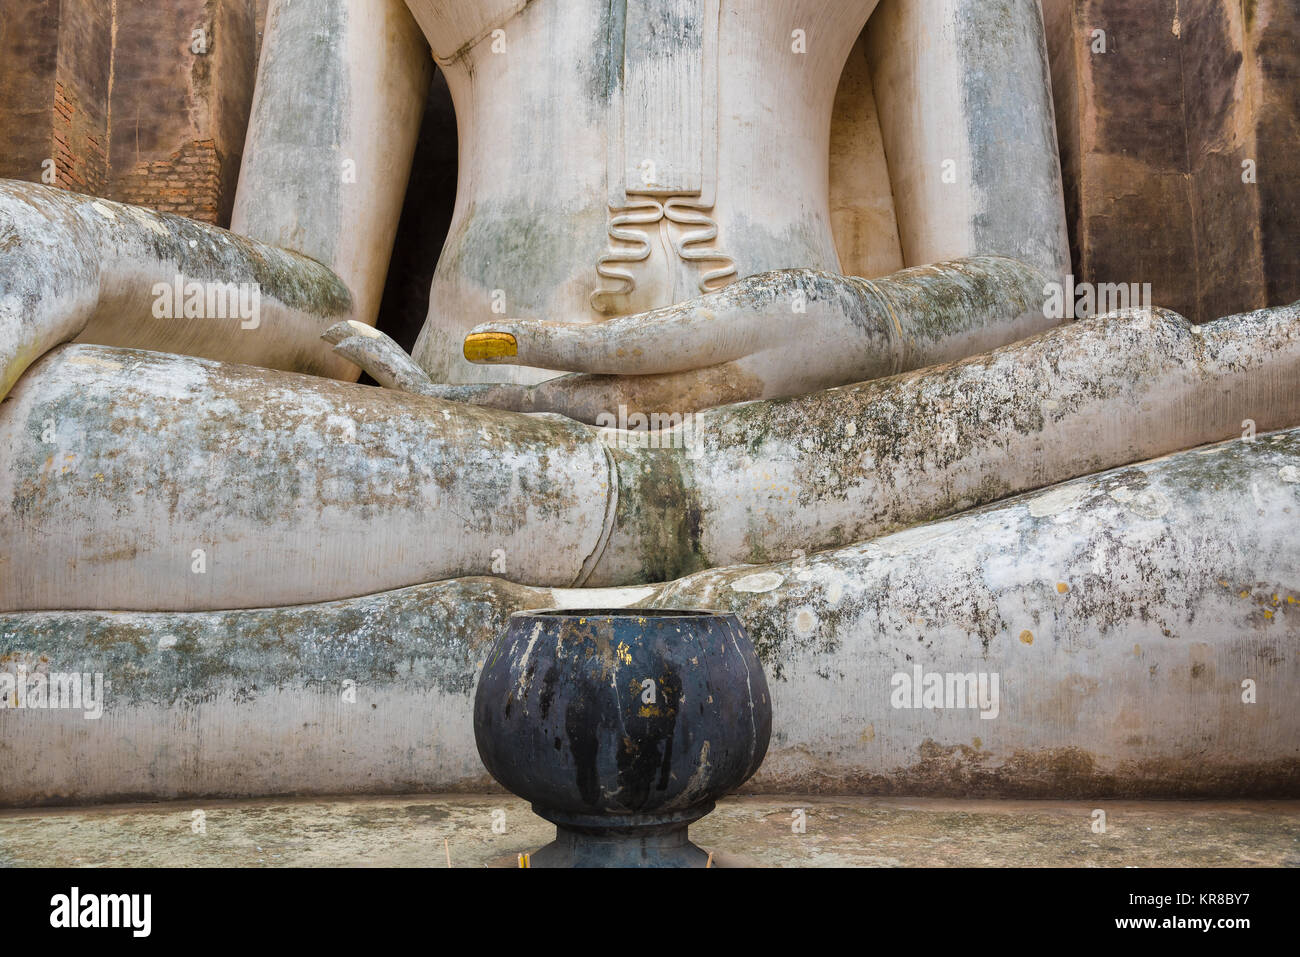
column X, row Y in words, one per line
column 628, row 721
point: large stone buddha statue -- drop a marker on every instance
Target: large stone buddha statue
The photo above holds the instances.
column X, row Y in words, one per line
column 643, row 219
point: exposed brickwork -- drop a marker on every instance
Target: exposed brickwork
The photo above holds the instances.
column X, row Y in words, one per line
column 119, row 98
column 78, row 109
column 187, row 183
column 80, row 160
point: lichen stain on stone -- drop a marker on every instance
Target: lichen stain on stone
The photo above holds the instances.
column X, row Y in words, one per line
column 960, row 770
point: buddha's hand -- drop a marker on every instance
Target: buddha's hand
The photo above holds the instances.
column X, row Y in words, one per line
column 780, row 333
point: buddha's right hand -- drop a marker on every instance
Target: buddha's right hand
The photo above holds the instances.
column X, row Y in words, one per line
column 774, row 334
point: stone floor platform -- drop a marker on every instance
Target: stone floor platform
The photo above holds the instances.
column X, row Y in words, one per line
column 425, row 829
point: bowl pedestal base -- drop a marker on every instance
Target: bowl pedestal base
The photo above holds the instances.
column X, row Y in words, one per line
column 632, row 840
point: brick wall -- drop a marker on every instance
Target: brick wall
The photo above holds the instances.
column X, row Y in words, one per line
column 114, row 93
column 187, row 182
column 54, row 78
column 80, row 159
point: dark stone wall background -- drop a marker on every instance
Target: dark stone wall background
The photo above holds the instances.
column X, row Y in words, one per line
column 54, row 77
column 426, row 217
column 29, row 55
column 1153, row 135
column 179, row 117
column 1276, row 47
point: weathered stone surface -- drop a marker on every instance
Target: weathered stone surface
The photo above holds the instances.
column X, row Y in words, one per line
column 1121, row 612
column 964, row 97
column 771, row 335
column 310, row 489
column 845, row 465
column 293, row 487
column 750, row 831
column 518, row 251
column 174, row 489
column 74, row 266
column 340, row 93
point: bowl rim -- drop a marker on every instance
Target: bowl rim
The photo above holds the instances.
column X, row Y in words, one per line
column 663, row 614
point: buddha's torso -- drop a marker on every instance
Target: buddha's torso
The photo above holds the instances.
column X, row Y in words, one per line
column 658, row 121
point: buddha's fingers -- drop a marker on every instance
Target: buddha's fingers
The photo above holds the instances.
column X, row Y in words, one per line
column 389, row 364
column 793, row 330
column 641, row 401
column 609, row 401
column 951, row 310
column 378, row 355
column 701, row 332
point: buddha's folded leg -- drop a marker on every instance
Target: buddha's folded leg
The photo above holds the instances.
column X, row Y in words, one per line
column 125, row 469
column 143, row 480
column 760, row 481
column 1121, row 616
